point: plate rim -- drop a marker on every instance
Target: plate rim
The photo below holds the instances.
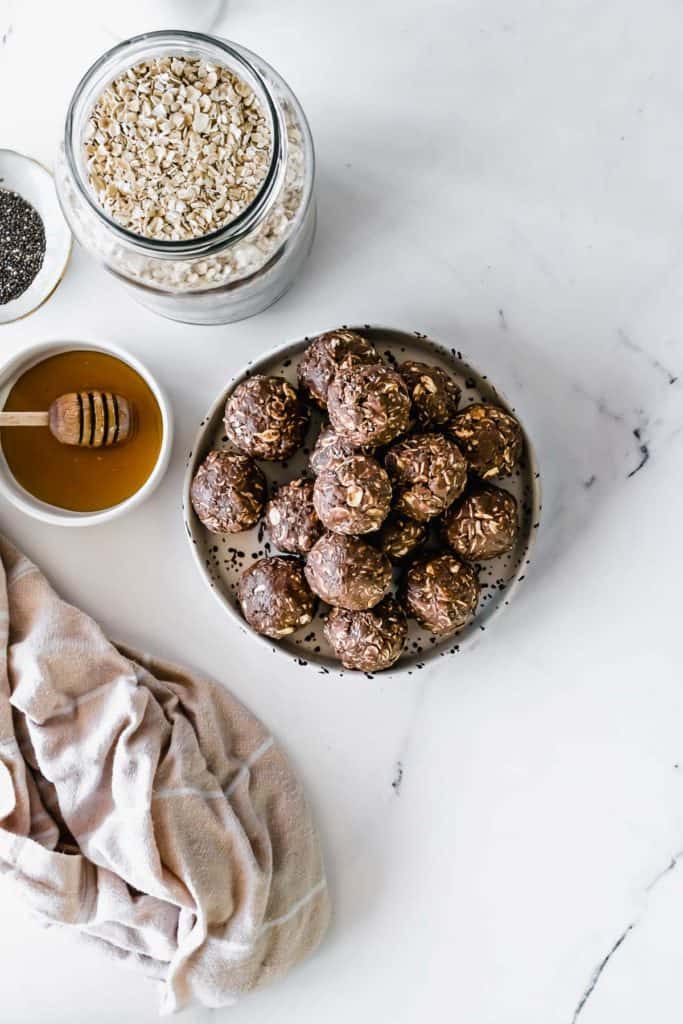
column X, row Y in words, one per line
column 290, row 348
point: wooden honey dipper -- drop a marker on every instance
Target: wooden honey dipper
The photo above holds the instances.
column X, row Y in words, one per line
column 91, row 419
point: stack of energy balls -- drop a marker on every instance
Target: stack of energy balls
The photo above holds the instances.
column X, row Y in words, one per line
column 400, row 479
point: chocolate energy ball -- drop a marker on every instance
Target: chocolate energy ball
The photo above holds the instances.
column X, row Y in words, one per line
column 228, row 492
column 291, row 517
column 400, row 536
column 368, row 405
column 483, row 525
column 441, row 593
column 354, row 496
column 265, row 417
column 434, row 394
column 326, row 355
column 371, row 640
column 490, row 439
column 429, row 473
column 348, row 572
column 330, row 449
column 274, row 596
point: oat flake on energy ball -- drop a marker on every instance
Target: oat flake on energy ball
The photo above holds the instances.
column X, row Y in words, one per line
column 489, row 438
column 330, row 449
column 368, row 405
column 265, row 418
column 326, row 355
column 433, row 392
column 429, row 473
column 354, row 496
column 441, row 593
column 369, row 641
column 291, row 518
column 228, row 492
column 484, row 524
column 348, row 572
column 274, row 596
column 399, row 536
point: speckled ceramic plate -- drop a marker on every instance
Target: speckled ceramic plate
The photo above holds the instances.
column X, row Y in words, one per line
column 221, row 559
column 22, row 174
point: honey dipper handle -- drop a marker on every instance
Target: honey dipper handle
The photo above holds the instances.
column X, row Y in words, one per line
column 24, row 419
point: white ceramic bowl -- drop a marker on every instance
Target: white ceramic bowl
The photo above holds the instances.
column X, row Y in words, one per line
column 32, row 506
column 33, row 182
column 221, row 559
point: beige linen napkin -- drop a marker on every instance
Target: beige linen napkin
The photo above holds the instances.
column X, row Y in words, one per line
column 143, row 807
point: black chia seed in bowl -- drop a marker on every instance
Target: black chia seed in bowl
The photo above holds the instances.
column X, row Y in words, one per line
column 22, row 245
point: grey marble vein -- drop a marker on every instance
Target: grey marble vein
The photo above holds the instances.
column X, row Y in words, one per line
column 597, row 973
column 653, row 362
column 643, row 450
column 595, row 978
column 599, row 402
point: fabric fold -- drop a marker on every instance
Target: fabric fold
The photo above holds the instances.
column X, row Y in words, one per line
column 145, row 808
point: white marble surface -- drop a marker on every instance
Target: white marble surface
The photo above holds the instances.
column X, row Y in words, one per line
column 502, row 831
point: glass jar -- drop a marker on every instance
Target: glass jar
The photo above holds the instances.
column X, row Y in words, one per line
column 237, row 270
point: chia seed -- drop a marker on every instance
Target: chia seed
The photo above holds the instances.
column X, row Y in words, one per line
column 22, row 245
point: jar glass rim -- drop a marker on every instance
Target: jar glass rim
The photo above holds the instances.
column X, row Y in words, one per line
column 136, row 48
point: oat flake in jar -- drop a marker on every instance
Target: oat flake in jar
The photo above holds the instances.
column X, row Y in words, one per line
column 187, row 169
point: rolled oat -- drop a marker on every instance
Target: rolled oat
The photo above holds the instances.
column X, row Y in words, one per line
column 177, row 148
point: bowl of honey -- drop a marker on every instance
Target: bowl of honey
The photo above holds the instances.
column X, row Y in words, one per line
column 110, row 462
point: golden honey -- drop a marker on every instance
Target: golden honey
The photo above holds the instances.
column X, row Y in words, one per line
column 69, row 477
